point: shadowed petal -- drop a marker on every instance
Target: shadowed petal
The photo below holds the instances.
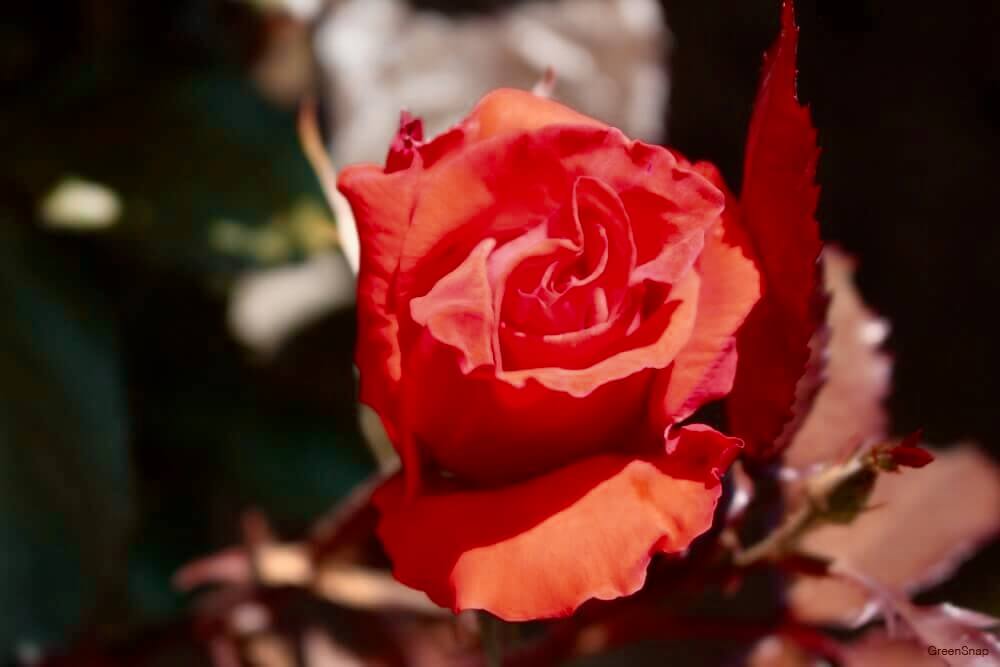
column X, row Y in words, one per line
column 542, row 547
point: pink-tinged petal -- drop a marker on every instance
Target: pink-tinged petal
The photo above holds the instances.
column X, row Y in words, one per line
column 458, row 311
column 778, row 205
column 923, row 524
column 509, row 110
column 542, row 547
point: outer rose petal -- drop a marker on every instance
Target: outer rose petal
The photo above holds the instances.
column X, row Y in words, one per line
column 542, row 547
column 382, row 205
column 778, row 201
column 509, row 110
column 705, row 368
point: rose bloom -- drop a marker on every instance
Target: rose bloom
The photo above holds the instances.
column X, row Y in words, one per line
column 542, row 301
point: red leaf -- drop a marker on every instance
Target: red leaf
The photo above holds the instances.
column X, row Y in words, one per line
column 778, row 204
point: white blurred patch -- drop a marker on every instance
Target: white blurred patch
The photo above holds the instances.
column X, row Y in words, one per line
column 266, row 306
column 321, row 650
column 300, row 9
column 83, row 205
column 381, row 56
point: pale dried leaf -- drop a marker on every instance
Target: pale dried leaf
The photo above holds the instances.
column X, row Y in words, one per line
column 270, row 650
column 319, row 159
column 945, row 626
column 381, row 56
column 363, row 588
column 876, row 649
column 924, row 524
column 319, row 649
column 231, row 566
column 777, row 651
column 848, row 409
column 436, row 643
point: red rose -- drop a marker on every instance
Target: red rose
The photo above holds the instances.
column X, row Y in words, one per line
column 541, row 302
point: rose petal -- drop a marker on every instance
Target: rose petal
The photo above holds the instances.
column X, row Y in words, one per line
column 543, row 547
column 382, row 205
column 458, row 311
column 509, row 110
column 576, row 327
column 509, row 184
column 554, row 294
column 704, row 369
column 654, row 345
column 778, row 203
column 498, row 188
column 527, row 422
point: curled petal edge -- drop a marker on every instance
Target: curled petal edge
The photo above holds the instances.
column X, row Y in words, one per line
column 515, row 551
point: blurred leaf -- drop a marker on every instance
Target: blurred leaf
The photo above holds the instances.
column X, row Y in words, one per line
column 65, row 483
column 848, row 409
column 192, row 153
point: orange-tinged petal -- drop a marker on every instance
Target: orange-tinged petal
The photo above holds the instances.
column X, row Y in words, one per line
column 382, row 205
column 542, row 547
column 509, row 110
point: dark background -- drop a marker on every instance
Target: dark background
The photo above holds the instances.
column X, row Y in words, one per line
column 134, row 429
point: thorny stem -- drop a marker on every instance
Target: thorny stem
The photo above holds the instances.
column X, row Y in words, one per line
column 778, row 541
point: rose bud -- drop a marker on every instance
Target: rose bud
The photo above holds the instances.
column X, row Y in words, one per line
column 908, row 454
column 910, row 457
column 542, row 301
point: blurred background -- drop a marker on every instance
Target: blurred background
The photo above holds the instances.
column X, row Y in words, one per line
column 176, row 325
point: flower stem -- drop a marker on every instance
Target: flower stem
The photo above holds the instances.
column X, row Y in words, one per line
column 819, row 493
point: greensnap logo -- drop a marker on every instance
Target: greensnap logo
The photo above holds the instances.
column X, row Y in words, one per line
column 961, row 650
